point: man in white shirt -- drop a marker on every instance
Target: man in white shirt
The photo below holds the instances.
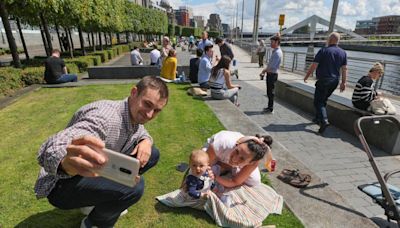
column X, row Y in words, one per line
column 136, row 58
column 154, row 55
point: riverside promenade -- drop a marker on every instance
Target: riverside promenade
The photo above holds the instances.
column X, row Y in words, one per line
column 335, row 160
column 336, row 157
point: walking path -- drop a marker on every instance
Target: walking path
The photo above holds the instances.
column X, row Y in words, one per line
column 336, row 157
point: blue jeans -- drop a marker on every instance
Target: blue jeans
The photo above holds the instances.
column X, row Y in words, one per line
column 204, row 85
column 323, row 90
column 108, row 197
column 67, row 78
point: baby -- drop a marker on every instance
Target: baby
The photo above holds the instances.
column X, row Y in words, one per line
column 198, row 182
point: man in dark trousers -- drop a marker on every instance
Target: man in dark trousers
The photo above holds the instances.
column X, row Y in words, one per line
column 272, row 72
column 330, row 61
column 70, row 159
column 56, row 71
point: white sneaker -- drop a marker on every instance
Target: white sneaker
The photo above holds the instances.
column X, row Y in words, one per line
column 86, row 211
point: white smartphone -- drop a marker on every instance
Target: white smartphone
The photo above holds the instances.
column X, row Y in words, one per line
column 120, row 168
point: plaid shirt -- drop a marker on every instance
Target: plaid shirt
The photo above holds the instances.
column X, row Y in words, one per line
column 108, row 120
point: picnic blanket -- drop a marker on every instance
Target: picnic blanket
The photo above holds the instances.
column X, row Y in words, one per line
column 248, row 206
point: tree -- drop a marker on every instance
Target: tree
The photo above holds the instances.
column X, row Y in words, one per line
column 10, row 38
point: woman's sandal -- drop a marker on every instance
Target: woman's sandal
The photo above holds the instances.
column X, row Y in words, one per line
column 294, row 178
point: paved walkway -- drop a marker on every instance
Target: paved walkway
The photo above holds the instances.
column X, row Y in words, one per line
column 336, row 157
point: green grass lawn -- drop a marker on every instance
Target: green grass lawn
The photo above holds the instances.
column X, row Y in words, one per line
column 182, row 126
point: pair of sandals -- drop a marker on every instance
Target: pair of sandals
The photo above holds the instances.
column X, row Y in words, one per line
column 294, row 178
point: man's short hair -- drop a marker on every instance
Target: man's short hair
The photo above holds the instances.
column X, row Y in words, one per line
column 199, row 52
column 155, row 46
column 276, row 38
column 135, row 47
column 218, row 40
column 55, row 51
column 152, row 82
column 334, row 38
column 208, row 47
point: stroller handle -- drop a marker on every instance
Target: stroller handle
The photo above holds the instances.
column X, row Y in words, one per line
column 357, row 124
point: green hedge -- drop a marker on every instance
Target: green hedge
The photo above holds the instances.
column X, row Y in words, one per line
column 9, row 80
column 12, row 79
column 103, row 55
column 32, row 75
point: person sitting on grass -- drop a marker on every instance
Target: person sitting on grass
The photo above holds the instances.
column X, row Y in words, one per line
column 68, row 160
column 198, row 182
column 194, row 66
column 169, row 65
column 220, row 82
column 55, row 70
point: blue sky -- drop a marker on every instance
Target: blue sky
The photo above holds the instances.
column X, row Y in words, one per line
column 349, row 11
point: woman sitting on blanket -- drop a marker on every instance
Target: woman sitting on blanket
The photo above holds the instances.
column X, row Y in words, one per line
column 240, row 155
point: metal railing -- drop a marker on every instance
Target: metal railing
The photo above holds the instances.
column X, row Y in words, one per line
column 357, row 67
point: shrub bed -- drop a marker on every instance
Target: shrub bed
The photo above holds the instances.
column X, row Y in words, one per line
column 12, row 79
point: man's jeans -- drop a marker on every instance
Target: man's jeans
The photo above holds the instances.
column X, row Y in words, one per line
column 67, row 78
column 323, row 89
column 108, row 197
column 271, row 80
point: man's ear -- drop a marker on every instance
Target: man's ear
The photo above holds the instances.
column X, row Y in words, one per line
column 134, row 91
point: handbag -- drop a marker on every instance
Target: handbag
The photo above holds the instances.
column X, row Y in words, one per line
column 382, row 106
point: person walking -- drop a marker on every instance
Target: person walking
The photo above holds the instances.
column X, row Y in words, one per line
column 155, row 55
column 272, row 72
column 330, row 62
column 261, row 52
column 204, row 42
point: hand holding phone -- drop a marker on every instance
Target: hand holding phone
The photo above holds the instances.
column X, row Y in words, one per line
column 120, row 168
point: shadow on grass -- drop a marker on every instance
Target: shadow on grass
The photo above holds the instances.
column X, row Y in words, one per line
column 197, row 214
column 53, row 218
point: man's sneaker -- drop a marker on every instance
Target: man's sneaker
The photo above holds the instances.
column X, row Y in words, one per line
column 261, row 77
column 237, row 74
column 268, row 111
column 87, row 210
column 322, row 126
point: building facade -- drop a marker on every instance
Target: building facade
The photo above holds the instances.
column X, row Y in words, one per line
column 199, row 20
column 379, row 25
column 214, row 23
column 182, row 16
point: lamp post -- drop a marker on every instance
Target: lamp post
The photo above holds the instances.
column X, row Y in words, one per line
column 256, row 16
column 241, row 38
column 333, row 16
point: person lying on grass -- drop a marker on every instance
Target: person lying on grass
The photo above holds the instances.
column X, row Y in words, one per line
column 239, row 155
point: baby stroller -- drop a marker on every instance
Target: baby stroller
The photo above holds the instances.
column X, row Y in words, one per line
column 382, row 193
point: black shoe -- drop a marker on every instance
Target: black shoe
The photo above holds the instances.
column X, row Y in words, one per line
column 322, row 126
column 261, row 77
column 268, row 111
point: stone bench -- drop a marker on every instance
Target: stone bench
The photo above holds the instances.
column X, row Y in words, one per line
column 128, row 72
column 342, row 114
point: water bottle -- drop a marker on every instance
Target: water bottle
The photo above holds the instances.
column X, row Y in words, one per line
column 183, row 76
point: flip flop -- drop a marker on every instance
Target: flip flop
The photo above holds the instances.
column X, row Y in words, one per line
column 294, row 178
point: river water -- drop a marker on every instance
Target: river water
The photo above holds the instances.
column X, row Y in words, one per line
column 358, row 64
